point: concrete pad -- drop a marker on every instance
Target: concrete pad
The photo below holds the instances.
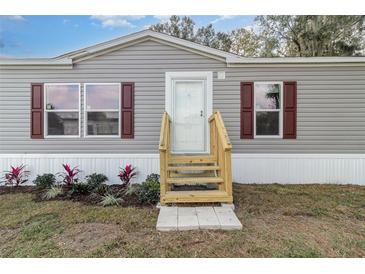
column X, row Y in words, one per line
column 167, row 219
column 186, row 211
column 227, row 218
column 166, row 222
column 192, row 218
column 228, row 205
column 187, row 218
column 187, row 222
column 168, row 210
column 207, row 218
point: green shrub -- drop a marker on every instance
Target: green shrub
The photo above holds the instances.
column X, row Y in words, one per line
column 153, row 177
column 95, row 180
column 132, row 189
column 52, row 193
column 46, row 180
column 80, row 188
column 101, row 189
column 149, row 191
column 110, row 200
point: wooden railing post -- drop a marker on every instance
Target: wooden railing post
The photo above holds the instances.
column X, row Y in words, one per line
column 164, row 148
column 213, row 139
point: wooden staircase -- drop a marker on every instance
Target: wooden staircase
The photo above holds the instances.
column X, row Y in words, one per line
column 209, row 176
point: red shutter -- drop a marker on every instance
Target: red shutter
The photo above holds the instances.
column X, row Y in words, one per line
column 36, row 118
column 127, row 111
column 290, row 110
column 246, row 110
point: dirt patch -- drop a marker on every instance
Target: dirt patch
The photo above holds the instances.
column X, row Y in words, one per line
column 87, row 237
column 18, row 189
column 7, row 235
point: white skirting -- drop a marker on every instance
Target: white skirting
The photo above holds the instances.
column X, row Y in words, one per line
column 247, row 168
column 299, row 168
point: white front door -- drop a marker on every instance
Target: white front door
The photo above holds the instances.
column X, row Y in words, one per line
column 188, row 109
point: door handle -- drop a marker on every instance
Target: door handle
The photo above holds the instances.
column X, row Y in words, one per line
column 201, row 113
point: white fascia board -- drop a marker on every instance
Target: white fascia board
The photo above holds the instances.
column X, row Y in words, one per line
column 295, row 60
column 35, row 62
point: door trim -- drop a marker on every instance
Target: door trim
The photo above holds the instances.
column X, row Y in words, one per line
column 191, row 75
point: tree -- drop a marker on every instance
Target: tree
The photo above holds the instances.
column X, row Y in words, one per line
column 208, row 37
column 245, row 42
column 312, row 35
column 184, row 28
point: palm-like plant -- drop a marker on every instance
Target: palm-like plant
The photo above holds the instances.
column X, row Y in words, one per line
column 15, row 176
column 69, row 175
column 126, row 174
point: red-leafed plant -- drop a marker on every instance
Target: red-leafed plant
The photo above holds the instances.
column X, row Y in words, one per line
column 69, row 176
column 15, row 176
column 126, row 174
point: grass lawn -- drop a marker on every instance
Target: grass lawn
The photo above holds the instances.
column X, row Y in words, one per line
column 278, row 221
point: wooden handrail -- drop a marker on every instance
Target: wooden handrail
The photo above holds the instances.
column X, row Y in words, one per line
column 221, row 129
column 164, row 134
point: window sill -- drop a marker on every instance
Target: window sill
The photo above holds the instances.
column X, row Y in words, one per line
column 62, row 136
column 268, row 137
column 102, row 136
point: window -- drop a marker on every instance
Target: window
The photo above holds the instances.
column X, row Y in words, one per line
column 62, row 107
column 102, row 104
column 268, row 109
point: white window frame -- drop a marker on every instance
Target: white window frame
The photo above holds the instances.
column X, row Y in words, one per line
column 280, row 135
column 45, row 111
column 102, row 110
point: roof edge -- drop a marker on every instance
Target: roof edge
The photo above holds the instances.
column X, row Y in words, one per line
column 35, row 62
column 297, row 60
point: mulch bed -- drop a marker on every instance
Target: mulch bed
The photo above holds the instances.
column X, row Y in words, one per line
column 18, row 189
column 89, row 199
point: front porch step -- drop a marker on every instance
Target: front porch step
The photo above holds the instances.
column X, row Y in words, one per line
column 194, row 180
column 192, row 168
column 192, row 159
column 199, row 196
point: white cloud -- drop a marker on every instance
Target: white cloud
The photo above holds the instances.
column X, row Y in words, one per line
column 117, row 21
column 18, row 18
column 222, row 18
column 68, row 22
column 162, row 18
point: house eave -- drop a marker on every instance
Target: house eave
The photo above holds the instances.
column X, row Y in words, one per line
column 36, row 63
column 296, row 61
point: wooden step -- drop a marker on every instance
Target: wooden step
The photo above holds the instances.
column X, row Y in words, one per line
column 192, row 168
column 189, row 174
column 194, row 180
column 186, row 159
column 201, row 196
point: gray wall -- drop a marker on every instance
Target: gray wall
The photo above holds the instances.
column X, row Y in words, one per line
column 331, row 102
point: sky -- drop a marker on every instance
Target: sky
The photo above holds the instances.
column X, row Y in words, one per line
column 50, row 36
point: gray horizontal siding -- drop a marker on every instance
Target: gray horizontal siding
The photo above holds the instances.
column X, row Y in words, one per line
column 331, row 103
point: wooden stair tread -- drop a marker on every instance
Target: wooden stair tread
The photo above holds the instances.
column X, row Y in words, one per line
column 192, row 168
column 191, row 159
column 196, row 192
column 198, row 196
column 194, row 180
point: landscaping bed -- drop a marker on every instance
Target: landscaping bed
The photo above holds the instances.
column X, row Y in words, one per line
column 93, row 190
